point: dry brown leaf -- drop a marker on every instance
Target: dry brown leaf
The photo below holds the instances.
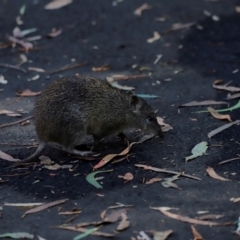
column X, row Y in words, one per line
column 139, row 10
column 155, row 37
column 44, row 206
column 235, row 199
column 203, row 103
column 120, row 205
column 220, row 129
column 153, row 180
column 100, row 69
column 233, row 96
column 8, row 157
column 74, row 211
column 166, row 127
column 225, row 87
column 27, row 93
column 52, row 167
column 165, row 211
column 114, row 216
column 179, row 26
column 10, row 113
column 127, row 177
column 26, row 45
column 168, row 182
column 109, row 157
column 211, row 172
column 44, row 160
column 54, row 33
column 210, row 216
column 103, row 214
column 124, row 223
column 56, row 4
column 36, row 69
column 217, row 115
column 196, row 234
column 80, row 229
column 161, row 235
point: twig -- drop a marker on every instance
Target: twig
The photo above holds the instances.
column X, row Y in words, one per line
column 12, row 66
column 229, row 160
column 67, row 67
column 145, row 167
column 13, row 123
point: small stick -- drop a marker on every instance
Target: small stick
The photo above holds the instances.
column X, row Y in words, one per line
column 145, row 167
column 13, row 123
column 67, row 67
column 13, row 67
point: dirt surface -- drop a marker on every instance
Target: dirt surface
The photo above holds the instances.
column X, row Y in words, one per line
column 108, row 33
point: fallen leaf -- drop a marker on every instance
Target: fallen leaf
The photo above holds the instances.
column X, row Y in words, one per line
column 22, row 204
column 197, row 151
column 100, row 69
column 86, row 233
column 52, row 167
column 74, row 211
column 226, row 87
column 41, row 238
column 202, row 103
column 114, row 216
column 165, row 211
column 17, row 235
column 91, row 178
column 166, row 127
column 179, row 26
column 238, row 227
column 127, row 177
column 168, row 182
column 143, row 236
column 56, row 4
column 124, row 223
column 235, row 199
column 153, row 180
column 211, row 172
column 26, row 45
column 44, row 206
column 44, row 160
column 210, row 216
column 237, row 8
column 27, row 93
column 54, row 33
column 233, row 96
column 109, row 157
column 236, row 106
column 3, row 80
column 8, row 157
column 196, row 234
column 36, row 69
column 217, row 115
column 161, row 235
column 139, row 10
column 36, row 77
column 10, row 113
column 147, row 96
column 80, row 229
column 118, row 86
column 155, row 37
column 120, row 205
column 18, row 33
column 220, row 129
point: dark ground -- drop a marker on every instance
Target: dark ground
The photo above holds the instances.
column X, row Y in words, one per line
column 100, row 33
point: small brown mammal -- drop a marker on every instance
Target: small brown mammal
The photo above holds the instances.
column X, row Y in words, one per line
column 71, row 108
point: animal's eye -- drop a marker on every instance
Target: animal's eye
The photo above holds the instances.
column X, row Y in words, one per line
column 150, row 119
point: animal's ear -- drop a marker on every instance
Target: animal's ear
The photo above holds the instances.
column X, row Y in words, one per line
column 135, row 103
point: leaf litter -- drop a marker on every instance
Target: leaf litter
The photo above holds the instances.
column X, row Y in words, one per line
column 220, row 129
column 17, row 235
column 56, row 4
column 153, row 180
column 8, row 157
column 203, row 103
column 139, row 10
column 169, row 182
column 196, row 234
column 92, row 180
column 217, row 115
column 28, row 93
column 211, row 172
column 198, row 150
column 127, row 177
column 161, row 235
column 156, row 36
column 165, row 211
column 44, row 206
column 10, row 113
